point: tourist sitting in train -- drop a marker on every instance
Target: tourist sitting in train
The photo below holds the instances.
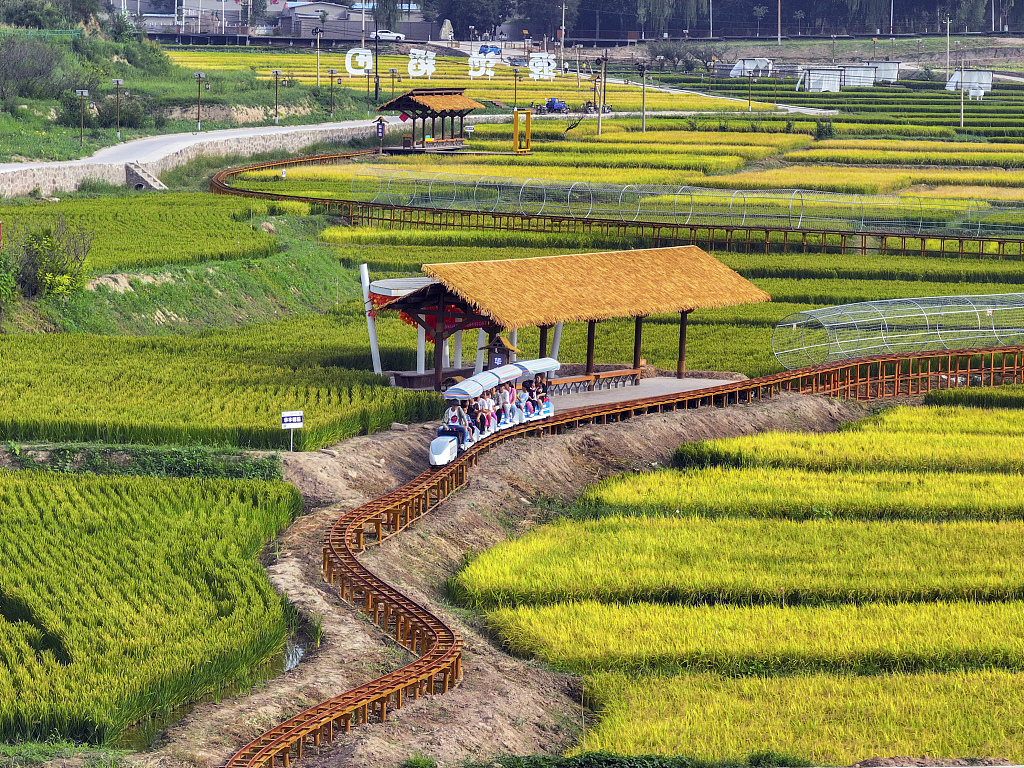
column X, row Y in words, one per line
column 531, row 392
column 525, row 403
column 455, row 420
column 490, row 407
column 540, row 388
column 506, row 401
column 476, row 416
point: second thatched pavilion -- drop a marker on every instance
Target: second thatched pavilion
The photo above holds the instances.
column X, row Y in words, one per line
column 499, row 297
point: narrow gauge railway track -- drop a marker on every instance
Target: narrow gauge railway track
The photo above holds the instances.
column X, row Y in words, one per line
column 748, row 238
column 439, row 648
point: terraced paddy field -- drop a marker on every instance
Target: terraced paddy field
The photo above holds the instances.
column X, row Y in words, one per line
column 840, row 626
column 124, row 597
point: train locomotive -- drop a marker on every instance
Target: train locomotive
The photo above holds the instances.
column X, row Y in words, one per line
column 453, row 440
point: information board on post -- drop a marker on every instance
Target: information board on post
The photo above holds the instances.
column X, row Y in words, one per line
column 291, row 420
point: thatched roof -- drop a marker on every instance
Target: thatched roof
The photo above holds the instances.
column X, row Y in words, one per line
column 520, row 293
column 433, row 100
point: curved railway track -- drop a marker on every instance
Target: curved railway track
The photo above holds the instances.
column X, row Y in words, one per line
column 438, row 647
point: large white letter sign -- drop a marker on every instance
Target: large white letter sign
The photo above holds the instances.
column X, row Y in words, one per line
column 359, row 61
column 481, row 64
column 421, row 63
column 542, row 66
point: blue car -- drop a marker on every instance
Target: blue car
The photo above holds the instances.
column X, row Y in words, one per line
column 490, row 49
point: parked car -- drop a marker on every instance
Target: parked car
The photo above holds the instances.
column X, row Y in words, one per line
column 490, row 49
column 387, row 34
column 518, row 61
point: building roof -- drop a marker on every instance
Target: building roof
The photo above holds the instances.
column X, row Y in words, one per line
column 520, row 293
column 438, row 100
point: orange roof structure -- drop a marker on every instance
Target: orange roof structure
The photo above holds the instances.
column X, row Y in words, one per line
column 520, row 293
column 434, row 101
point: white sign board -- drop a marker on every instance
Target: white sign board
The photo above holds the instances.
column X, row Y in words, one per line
column 291, row 419
column 358, row 61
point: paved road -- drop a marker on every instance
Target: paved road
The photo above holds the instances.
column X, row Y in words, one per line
column 154, row 148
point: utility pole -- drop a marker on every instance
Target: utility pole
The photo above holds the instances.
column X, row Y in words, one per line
column 199, row 76
column 332, row 73
column 779, row 33
column 600, row 99
column 276, row 73
column 961, row 89
column 117, row 83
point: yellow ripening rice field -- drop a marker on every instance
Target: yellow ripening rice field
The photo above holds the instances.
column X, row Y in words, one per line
column 587, row 636
column 799, row 494
column 748, row 562
column 825, row 719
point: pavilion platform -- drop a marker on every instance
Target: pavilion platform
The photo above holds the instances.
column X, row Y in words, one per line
column 652, row 387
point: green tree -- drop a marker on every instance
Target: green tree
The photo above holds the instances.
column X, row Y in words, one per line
column 386, row 13
column 799, row 16
column 760, row 11
column 483, row 15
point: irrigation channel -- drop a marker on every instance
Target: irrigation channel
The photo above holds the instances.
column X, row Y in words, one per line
column 781, row 221
column 439, row 648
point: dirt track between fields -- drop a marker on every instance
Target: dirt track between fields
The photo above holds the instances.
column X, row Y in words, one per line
column 505, row 705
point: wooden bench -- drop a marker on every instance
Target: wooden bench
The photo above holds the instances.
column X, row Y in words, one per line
column 570, row 384
column 590, row 382
column 609, row 379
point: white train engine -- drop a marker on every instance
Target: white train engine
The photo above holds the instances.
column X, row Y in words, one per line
column 511, row 406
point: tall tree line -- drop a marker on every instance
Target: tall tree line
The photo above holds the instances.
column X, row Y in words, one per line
column 615, row 18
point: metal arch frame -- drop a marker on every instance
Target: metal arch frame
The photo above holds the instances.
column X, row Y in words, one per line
column 430, row 190
column 959, row 219
column 367, row 173
column 497, row 194
column 792, row 198
column 675, row 205
column 544, row 201
column 732, row 200
column 622, row 194
column 395, row 176
column 861, row 319
column 568, row 199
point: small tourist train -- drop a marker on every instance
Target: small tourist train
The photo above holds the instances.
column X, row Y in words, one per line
column 515, row 402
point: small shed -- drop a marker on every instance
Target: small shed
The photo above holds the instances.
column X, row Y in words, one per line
column 885, row 71
column 756, row 67
column 859, row 76
column 973, row 80
column 432, row 104
column 821, row 79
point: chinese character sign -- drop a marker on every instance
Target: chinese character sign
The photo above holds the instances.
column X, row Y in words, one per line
column 359, row 61
column 481, row 64
column 421, row 63
column 542, row 66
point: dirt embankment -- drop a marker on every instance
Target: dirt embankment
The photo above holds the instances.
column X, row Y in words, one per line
column 504, row 705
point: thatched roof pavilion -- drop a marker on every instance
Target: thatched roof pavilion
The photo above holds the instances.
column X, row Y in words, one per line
column 430, row 104
column 518, row 293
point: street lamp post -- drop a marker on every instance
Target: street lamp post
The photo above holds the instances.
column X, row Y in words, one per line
column 948, row 21
column 117, row 83
column 515, row 87
column 561, row 41
column 332, row 73
column 199, row 76
column 833, row 49
column 919, row 51
column 750, row 82
column 376, row 58
column 393, row 72
column 82, row 95
column 643, row 96
column 277, row 74
column 319, row 33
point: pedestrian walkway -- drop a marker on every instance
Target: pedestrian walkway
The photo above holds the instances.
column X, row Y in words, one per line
column 653, row 387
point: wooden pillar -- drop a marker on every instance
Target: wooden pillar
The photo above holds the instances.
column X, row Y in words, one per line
column 543, row 341
column 638, row 333
column 462, row 132
column 591, row 328
column 681, row 365
column 439, row 341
